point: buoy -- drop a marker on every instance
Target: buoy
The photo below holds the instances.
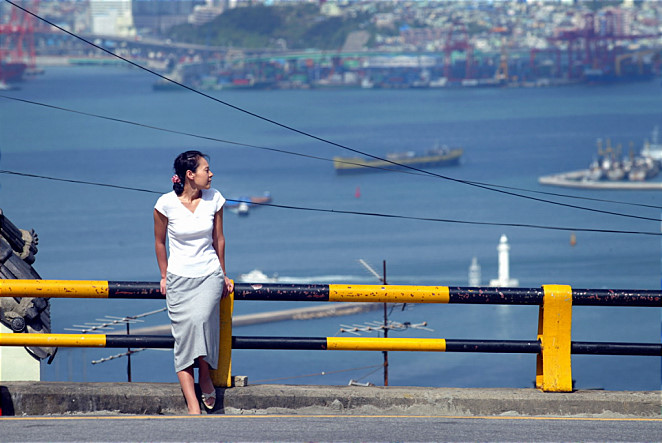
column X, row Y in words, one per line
column 573, row 239
column 357, row 193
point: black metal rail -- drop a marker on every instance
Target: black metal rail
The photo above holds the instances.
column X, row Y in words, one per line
column 321, row 343
column 325, row 293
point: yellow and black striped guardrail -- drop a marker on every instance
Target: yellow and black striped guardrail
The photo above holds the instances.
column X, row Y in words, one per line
column 553, row 344
column 335, row 293
column 330, row 344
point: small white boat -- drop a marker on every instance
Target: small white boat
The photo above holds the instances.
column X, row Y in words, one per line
column 242, row 205
column 242, row 208
column 257, row 276
column 5, row 87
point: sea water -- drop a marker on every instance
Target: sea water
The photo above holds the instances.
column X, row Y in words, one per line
column 510, row 138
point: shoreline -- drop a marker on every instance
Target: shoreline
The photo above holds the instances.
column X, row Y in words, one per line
column 161, row 66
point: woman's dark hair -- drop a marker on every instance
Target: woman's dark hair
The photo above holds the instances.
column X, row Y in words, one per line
column 186, row 161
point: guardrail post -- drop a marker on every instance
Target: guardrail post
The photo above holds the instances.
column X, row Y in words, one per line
column 553, row 367
column 222, row 377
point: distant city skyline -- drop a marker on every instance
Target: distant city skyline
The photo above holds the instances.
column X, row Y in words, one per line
column 528, row 18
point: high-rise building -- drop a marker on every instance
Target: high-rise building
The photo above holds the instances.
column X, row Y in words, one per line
column 157, row 16
column 112, row 18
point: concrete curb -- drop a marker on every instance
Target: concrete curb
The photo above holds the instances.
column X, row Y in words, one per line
column 57, row 398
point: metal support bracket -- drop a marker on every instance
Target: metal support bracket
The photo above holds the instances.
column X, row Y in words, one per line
column 553, row 367
column 222, row 376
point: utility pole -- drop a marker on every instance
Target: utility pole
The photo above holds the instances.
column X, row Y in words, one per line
column 382, row 279
column 128, row 356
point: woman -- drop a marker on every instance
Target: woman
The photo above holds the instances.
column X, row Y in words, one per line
column 193, row 276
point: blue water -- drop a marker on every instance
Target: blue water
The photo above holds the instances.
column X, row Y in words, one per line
column 510, row 137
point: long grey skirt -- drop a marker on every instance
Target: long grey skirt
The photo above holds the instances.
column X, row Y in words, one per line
column 194, row 311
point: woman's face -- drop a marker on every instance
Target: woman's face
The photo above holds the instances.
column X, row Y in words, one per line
column 202, row 175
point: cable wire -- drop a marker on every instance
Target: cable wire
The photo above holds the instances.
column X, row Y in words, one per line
column 282, row 151
column 188, row 134
column 304, row 133
column 372, row 372
column 368, row 214
column 320, row 373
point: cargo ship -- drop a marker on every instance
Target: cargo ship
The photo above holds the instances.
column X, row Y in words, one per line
column 11, row 72
column 438, row 156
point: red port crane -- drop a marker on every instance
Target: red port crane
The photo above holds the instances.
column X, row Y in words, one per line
column 586, row 47
column 457, row 39
column 17, row 48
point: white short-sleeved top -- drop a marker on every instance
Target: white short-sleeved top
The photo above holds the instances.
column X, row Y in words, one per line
column 192, row 252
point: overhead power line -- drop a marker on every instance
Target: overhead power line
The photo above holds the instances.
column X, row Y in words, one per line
column 188, row 134
column 307, row 134
column 368, row 214
column 282, row 151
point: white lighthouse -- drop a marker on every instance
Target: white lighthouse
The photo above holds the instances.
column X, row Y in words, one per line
column 474, row 273
column 504, row 279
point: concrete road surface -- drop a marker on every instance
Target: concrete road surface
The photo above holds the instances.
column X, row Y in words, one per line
column 325, row 428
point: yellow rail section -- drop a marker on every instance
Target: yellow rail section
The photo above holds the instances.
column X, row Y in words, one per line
column 385, row 344
column 54, row 340
column 333, row 343
column 553, row 364
column 54, row 288
column 337, row 293
column 389, row 294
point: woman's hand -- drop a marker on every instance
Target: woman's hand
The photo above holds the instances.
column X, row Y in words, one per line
column 228, row 288
column 160, row 228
